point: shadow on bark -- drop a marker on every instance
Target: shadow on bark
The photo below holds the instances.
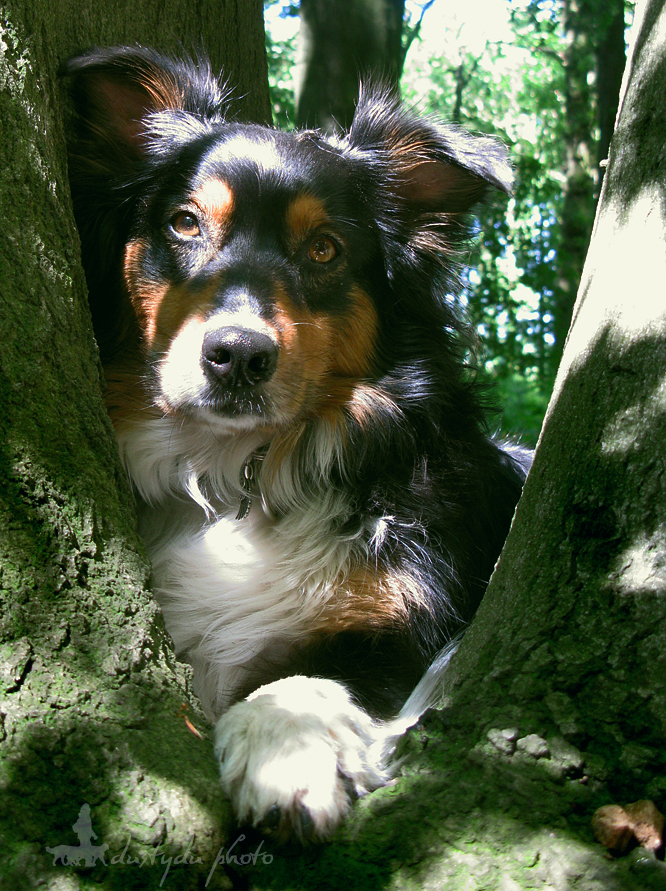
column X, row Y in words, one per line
column 148, row 807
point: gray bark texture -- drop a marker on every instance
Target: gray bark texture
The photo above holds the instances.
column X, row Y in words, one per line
column 94, row 710
column 556, row 701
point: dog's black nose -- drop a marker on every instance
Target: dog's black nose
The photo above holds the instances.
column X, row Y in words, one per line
column 238, row 355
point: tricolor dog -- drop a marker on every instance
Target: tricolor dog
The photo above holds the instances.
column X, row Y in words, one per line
column 286, row 372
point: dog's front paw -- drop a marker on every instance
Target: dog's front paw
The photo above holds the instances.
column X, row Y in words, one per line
column 293, row 756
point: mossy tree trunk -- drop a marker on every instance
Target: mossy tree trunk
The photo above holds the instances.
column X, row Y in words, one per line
column 93, row 705
column 556, row 701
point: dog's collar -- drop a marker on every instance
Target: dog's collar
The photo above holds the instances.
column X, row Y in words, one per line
column 250, row 485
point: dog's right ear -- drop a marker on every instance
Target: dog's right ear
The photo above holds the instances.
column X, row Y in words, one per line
column 432, row 167
column 117, row 90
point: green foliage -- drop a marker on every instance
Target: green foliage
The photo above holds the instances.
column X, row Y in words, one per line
column 511, row 279
column 281, row 55
column 524, row 402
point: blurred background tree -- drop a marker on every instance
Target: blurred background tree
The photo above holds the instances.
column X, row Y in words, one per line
column 338, row 44
column 544, row 76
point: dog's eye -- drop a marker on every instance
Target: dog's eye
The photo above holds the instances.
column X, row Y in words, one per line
column 185, row 224
column 323, row 250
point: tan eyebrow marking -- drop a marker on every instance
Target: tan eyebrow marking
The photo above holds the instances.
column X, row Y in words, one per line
column 216, row 198
column 304, row 214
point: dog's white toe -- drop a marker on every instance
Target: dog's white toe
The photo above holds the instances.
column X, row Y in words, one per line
column 293, row 756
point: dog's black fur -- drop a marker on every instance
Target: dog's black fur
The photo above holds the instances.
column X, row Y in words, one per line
column 277, row 305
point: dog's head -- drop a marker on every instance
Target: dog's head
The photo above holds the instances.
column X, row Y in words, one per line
column 263, row 277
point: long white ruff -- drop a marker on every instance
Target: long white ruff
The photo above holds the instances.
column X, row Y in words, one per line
column 232, row 590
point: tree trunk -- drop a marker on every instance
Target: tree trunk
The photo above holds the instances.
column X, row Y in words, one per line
column 339, row 44
column 611, row 58
column 578, row 203
column 94, row 735
column 556, row 701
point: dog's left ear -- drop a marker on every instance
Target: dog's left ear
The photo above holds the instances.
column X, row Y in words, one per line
column 118, row 91
column 433, row 168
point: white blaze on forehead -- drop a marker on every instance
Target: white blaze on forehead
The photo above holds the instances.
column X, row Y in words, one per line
column 243, row 316
column 264, row 153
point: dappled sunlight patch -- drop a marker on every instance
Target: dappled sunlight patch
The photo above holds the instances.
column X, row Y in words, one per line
column 642, row 565
column 627, row 428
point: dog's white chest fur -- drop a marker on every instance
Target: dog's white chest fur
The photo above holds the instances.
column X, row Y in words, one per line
column 230, row 590
column 239, row 588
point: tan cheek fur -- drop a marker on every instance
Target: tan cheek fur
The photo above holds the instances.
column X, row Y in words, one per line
column 146, row 296
column 356, row 337
column 352, row 355
column 305, row 355
column 323, row 358
column 161, row 309
column 323, row 361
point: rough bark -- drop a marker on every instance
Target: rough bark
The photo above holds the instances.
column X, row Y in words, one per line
column 339, row 44
column 91, row 711
column 556, row 701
